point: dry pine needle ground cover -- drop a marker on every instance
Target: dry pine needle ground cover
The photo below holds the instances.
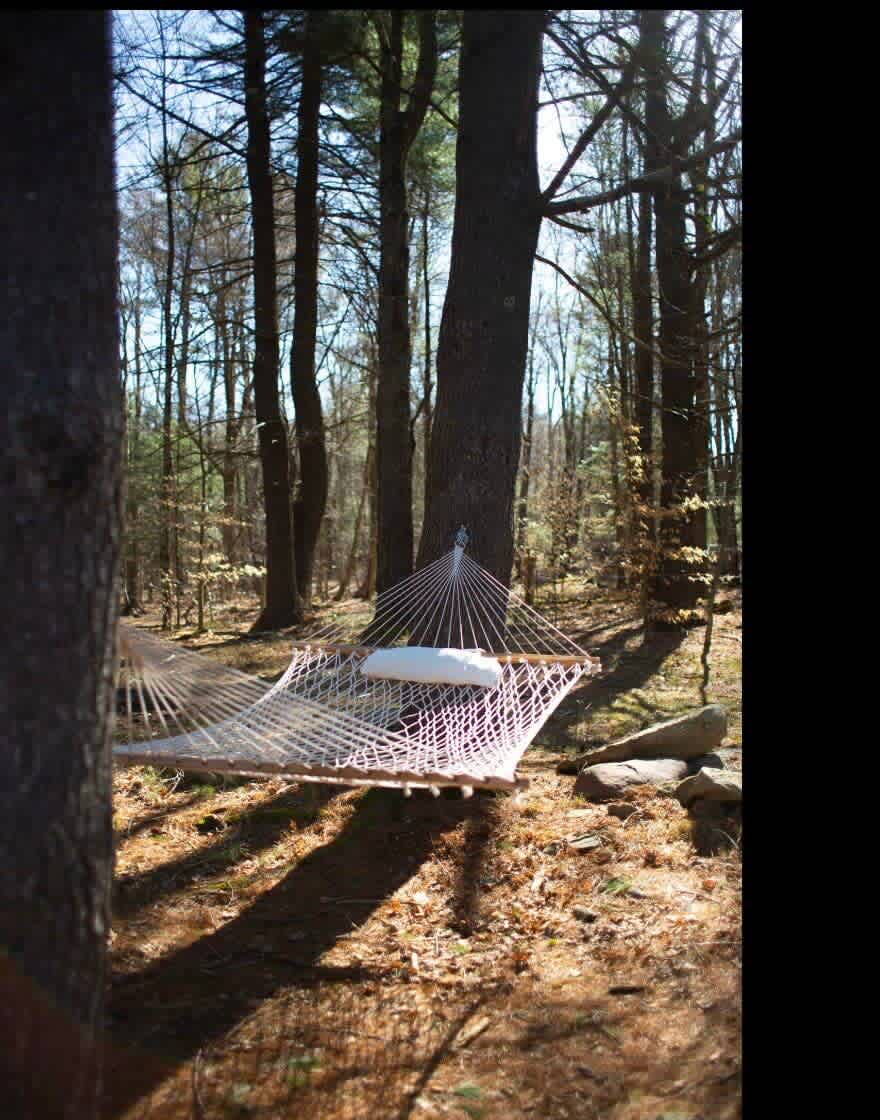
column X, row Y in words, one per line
column 283, row 949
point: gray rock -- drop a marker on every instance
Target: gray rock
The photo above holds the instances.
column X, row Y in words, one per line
column 609, row 780
column 687, row 736
column 731, row 757
column 724, row 786
column 711, row 761
column 701, row 809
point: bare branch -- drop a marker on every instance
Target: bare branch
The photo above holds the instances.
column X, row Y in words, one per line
column 587, row 136
column 570, row 225
column 648, row 182
column 188, row 124
column 613, row 325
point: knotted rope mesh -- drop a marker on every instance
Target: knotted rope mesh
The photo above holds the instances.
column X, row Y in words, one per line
column 325, row 721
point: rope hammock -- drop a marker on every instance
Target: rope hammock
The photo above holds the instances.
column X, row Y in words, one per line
column 358, row 713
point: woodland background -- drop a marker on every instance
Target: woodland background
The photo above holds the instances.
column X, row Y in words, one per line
column 314, row 154
column 357, row 311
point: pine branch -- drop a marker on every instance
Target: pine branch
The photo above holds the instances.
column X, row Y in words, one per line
column 650, row 182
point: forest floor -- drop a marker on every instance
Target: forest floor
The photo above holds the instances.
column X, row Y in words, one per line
column 283, row 949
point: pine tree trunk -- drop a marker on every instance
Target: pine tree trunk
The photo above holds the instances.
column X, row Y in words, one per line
column 428, row 367
column 347, row 573
column 393, row 452
column 617, row 486
column 643, row 329
column 398, row 129
column 525, row 476
column 185, row 318
column 699, row 290
column 229, row 469
column 306, row 398
column 367, row 587
column 168, row 484
column 483, row 341
column 282, row 607
column 61, row 448
column 132, row 512
column 675, row 590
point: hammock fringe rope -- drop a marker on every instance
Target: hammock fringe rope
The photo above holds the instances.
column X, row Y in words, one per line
column 325, row 721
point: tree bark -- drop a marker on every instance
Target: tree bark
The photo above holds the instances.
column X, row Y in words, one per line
column 232, row 427
column 282, row 606
column 61, row 505
column 367, row 587
column 393, row 448
column 184, row 318
column 643, row 330
column 132, row 604
column 348, row 572
column 169, row 484
column 699, row 281
column 675, row 590
column 428, row 367
column 306, row 398
column 617, row 487
column 483, row 341
column 525, row 475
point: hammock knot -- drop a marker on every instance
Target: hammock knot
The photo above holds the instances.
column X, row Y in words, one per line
column 461, row 542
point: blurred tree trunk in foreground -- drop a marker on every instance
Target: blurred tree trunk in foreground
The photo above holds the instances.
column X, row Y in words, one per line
column 60, row 448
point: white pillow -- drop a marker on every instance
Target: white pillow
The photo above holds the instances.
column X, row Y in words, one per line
column 433, row 666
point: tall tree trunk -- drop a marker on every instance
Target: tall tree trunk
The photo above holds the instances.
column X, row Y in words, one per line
column 184, row 317
column 306, row 398
column 398, row 129
column 229, row 470
column 699, row 289
column 367, row 586
column 643, row 330
column 525, row 476
column 617, row 486
column 348, row 572
column 168, row 484
column 132, row 512
column 582, row 502
column 484, row 330
column 60, row 498
column 282, row 606
column 725, row 463
column 428, row 367
column 675, row 589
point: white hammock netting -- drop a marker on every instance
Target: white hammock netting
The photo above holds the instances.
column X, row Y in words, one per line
column 325, row 721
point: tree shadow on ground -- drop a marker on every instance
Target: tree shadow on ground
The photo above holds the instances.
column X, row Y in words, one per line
column 468, row 895
column 152, row 819
column 194, row 996
column 258, row 828
column 623, row 670
column 597, row 1044
column 339, row 1049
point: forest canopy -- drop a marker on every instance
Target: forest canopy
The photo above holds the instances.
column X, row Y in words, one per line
column 291, row 184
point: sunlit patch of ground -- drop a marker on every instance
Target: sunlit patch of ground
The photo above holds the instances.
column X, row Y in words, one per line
column 289, row 950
